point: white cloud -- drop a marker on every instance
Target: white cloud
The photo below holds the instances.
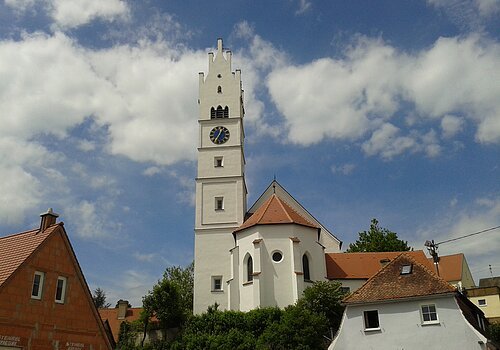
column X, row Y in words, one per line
column 344, row 169
column 451, row 125
column 468, row 14
column 86, row 145
column 68, row 14
column 348, row 98
column 480, row 250
column 304, row 6
column 74, row 13
column 90, row 219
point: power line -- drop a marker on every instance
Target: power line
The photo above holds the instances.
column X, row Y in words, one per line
column 468, row 235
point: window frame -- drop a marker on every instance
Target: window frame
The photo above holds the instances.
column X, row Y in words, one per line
column 62, row 297
column 41, row 281
column 430, row 313
column 249, row 269
column 219, row 203
column 214, row 284
column 219, row 162
column 366, row 321
column 479, row 302
column 306, row 268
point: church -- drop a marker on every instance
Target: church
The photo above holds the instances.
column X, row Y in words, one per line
column 245, row 258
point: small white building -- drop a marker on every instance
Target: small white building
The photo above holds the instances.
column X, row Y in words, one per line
column 407, row 306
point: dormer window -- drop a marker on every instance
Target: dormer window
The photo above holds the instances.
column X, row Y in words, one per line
column 406, row 269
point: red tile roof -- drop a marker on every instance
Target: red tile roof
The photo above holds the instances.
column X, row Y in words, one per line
column 111, row 315
column 275, row 211
column 364, row 265
column 390, row 284
column 450, row 267
column 16, row 248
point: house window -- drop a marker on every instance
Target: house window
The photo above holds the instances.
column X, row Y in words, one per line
column 219, row 203
column 218, row 162
column 216, row 283
column 212, row 113
column 61, row 289
column 305, row 268
column 345, row 290
column 36, row 291
column 481, row 302
column 429, row 314
column 249, row 269
column 371, row 320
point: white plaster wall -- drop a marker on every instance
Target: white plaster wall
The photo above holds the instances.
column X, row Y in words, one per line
column 212, row 259
column 492, row 307
column 353, row 284
column 401, row 328
column 278, row 284
column 232, row 162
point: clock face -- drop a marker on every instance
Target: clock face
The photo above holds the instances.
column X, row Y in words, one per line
column 219, row 135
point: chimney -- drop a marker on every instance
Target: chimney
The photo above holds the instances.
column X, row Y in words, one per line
column 48, row 219
column 122, row 309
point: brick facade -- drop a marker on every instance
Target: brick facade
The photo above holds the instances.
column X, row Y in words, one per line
column 44, row 324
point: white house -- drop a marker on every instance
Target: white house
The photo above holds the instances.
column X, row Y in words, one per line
column 244, row 259
column 406, row 306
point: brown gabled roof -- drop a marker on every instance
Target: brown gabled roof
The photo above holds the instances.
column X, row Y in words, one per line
column 275, row 211
column 364, row 265
column 390, row 284
column 451, row 267
column 16, row 248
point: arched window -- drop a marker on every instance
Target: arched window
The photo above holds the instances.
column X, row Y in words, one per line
column 249, row 269
column 212, row 113
column 219, row 113
column 219, row 89
column 226, row 112
column 305, row 268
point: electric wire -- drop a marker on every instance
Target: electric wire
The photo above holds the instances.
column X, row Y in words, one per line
column 468, row 235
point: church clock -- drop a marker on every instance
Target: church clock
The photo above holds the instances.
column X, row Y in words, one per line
column 219, row 135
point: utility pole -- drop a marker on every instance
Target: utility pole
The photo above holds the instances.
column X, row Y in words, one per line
column 432, row 248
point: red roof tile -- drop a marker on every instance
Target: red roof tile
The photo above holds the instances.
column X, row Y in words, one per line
column 450, row 267
column 275, row 211
column 390, row 284
column 364, row 265
column 16, row 248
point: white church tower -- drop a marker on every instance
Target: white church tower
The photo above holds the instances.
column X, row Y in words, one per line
column 221, row 193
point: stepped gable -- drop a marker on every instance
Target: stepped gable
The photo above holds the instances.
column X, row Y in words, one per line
column 16, row 248
column 275, row 211
column 390, row 284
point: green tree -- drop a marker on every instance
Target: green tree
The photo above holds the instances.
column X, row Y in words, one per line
column 99, row 297
column 378, row 239
column 164, row 302
column 183, row 278
column 126, row 337
column 324, row 298
column 494, row 333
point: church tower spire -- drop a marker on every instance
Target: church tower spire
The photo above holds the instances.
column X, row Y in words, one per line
column 221, row 194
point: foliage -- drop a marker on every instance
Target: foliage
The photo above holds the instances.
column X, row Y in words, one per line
column 164, row 302
column 99, row 297
column 323, row 298
column 126, row 337
column 378, row 239
column 494, row 333
column 266, row 328
column 183, row 278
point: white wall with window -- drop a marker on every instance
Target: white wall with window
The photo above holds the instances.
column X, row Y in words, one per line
column 434, row 323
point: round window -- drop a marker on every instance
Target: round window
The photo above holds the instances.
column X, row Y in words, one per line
column 277, row 256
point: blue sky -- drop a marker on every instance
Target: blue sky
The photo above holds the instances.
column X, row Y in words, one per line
column 361, row 109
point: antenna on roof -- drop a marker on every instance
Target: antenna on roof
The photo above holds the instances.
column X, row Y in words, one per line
column 432, row 248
